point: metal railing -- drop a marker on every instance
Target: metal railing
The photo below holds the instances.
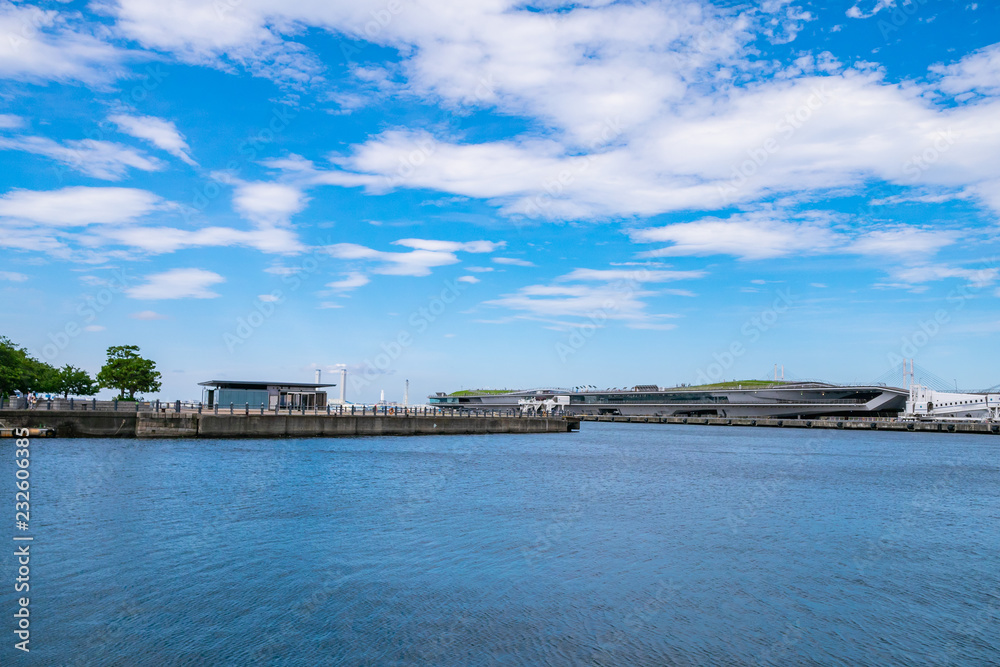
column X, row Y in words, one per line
column 92, row 404
column 197, row 407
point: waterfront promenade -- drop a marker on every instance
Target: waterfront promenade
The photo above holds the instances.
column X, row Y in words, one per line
column 853, row 424
column 92, row 418
column 175, row 420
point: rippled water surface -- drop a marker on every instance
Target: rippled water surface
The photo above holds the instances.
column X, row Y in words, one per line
column 618, row 545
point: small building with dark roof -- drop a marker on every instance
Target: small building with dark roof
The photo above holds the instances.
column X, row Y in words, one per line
column 264, row 394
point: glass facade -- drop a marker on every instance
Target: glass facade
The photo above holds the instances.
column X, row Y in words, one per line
column 647, row 398
column 257, row 398
column 266, row 396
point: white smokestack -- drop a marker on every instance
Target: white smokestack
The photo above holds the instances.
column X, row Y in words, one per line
column 318, row 374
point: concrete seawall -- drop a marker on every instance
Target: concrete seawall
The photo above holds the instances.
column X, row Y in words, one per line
column 851, row 425
column 79, row 424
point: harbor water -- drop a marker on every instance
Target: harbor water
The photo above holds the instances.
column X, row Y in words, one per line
column 622, row 544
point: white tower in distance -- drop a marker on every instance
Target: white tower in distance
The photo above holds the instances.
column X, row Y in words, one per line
column 343, row 381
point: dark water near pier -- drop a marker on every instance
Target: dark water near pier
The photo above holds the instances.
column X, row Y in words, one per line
column 618, row 545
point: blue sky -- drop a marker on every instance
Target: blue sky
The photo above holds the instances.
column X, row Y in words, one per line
column 499, row 194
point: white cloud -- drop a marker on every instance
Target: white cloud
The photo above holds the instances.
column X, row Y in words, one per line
column 427, row 254
column 593, row 62
column 450, row 246
column 13, row 276
column 268, row 203
column 414, row 263
column 933, row 272
column 100, row 159
column 115, row 213
column 291, row 163
column 855, row 11
column 281, row 270
column 148, row 315
column 922, row 198
column 161, row 133
column 783, row 21
column 10, row 121
column 810, row 133
column 590, row 303
column 978, row 72
column 350, row 281
column 47, row 45
column 246, row 34
column 77, row 206
column 619, row 297
column 177, row 284
column 268, row 298
column 95, row 281
column 646, row 107
column 775, row 232
column 94, row 328
column 635, row 276
column 31, row 239
column 748, row 236
column 512, row 261
column 158, row 240
column 902, row 241
column 472, row 280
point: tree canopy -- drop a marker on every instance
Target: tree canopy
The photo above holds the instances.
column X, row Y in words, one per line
column 19, row 371
column 76, row 381
column 127, row 372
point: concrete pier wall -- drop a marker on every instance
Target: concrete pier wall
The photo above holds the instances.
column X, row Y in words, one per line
column 74, row 424
column 222, row 426
column 848, row 424
column 79, row 424
column 193, row 425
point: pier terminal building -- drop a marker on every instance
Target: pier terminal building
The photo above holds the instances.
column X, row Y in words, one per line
column 264, row 394
column 750, row 398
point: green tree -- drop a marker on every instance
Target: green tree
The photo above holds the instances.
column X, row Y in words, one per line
column 12, row 362
column 19, row 371
column 76, row 381
column 126, row 371
column 42, row 377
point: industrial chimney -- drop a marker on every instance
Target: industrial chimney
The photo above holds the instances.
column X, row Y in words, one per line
column 318, row 374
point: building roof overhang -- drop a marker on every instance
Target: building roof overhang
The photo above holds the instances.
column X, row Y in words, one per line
column 239, row 384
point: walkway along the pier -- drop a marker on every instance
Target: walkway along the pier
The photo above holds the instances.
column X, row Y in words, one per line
column 828, row 423
column 105, row 423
